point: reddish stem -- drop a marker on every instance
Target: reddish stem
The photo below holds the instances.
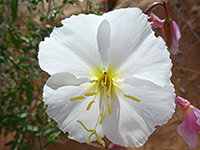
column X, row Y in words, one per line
column 163, row 4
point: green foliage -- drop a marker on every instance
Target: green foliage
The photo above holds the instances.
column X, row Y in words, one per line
column 14, row 7
column 22, row 112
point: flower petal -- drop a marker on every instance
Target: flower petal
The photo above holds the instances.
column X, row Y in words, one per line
column 183, row 103
column 137, row 82
column 156, row 105
column 176, row 38
column 189, row 135
column 176, row 30
column 125, row 126
column 129, row 27
column 197, row 113
column 156, row 22
column 137, row 52
column 192, row 117
column 63, row 79
column 190, row 127
column 103, row 38
column 66, row 112
column 71, row 48
column 132, row 122
column 198, row 120
column 150, row 62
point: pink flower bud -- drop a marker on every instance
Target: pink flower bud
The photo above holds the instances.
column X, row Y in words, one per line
column 156, row 22
column 170, row 31
column 183, row 103
column 190, row 126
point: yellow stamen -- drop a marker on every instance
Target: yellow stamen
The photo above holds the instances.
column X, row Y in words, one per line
column 105, row 85
column 98, row 139
column 132, row 97
column 102, row 84
column 110, row 85
column 107, row 94
column 77, row 98
column 102, row 118
column 109, row 108
column 93, row 132
column 106, row 77
column 84, row 126
column 89, row 105
column 90, row 93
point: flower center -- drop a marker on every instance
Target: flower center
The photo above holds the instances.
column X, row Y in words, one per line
column 104, row 85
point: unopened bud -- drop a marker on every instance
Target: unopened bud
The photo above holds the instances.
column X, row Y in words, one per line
column 168, row 30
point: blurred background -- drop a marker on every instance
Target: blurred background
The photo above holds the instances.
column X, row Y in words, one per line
column 24, row 124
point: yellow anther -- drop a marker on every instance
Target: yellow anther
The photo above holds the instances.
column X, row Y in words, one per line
column 132, row 97
column 77, row 98
column 90, row 93
column 102, row 118
column 109, row 108
column 89, row 105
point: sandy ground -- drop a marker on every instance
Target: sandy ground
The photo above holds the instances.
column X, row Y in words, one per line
column 186, row 74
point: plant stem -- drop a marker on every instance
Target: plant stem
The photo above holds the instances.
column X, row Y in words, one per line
column 5, row 22
column 163, row 4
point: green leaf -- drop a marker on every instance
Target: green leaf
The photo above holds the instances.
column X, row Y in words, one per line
column 98, row 5
column 64, row 1
column 14, row 8
column 32, row 128
column 1, row 111
column 23, row 124
column 24, row 115
column 50, row 131
column 28, row 146
column 13, row 39
column 10, row 143
column 29, row 93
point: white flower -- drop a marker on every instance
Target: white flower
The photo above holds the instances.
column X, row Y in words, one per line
column 110, row 76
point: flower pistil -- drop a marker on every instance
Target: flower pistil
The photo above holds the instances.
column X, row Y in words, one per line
column 105, row 86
